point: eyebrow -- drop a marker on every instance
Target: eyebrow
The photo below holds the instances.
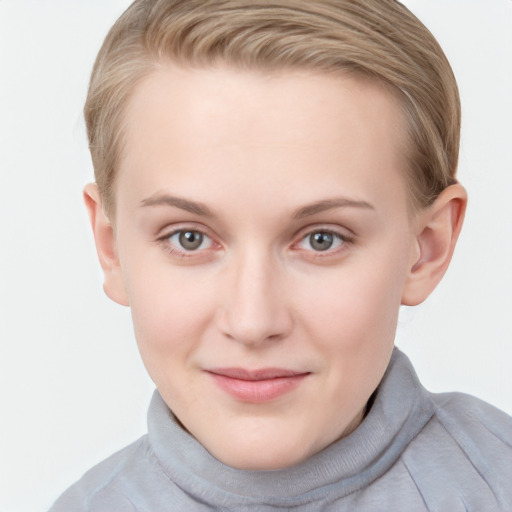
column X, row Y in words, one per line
column 306, row 211
column 329, row 204
column 178, row 202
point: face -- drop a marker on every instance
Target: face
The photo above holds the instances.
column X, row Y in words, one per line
column 264, row 240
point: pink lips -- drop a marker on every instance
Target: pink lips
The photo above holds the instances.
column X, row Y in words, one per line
column 256, row 386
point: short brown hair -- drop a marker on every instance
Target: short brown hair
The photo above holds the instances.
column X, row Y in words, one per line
column 380, row 39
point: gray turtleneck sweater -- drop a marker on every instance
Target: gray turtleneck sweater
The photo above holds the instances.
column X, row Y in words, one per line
column 415, row 451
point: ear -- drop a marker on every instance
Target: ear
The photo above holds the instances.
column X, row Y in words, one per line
column 104, row 237
column 438, row 229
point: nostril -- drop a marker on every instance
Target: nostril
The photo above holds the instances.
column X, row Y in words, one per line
column 255, row 329
column 253, row 308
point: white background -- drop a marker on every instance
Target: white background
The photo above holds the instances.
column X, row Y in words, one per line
column 72, row 388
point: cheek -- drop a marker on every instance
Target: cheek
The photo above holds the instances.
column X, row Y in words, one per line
column 356, row 306
column 170, row 312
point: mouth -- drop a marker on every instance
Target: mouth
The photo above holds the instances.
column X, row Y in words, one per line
column 256, row 386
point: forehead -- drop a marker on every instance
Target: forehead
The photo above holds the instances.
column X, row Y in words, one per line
column 307, row 132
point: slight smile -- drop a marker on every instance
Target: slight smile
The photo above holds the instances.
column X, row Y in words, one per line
column 256, row 386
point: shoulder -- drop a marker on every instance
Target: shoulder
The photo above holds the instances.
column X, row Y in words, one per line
column 102, row 488
column 465, row 450
column 468, row 418
column 481, row 431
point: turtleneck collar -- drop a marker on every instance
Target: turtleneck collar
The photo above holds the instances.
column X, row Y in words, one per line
column 400, row 410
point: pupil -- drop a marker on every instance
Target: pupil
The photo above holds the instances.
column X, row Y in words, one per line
column 191, row 240
column 321, row 241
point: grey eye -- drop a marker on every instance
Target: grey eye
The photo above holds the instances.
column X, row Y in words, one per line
column 190, row 240
column 321, row 240
column 187, row 242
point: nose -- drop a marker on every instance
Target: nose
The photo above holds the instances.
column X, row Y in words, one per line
column 255, row 308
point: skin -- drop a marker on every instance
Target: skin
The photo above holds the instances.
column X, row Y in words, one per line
column 259, row 163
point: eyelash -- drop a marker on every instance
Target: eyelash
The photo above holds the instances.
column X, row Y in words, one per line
column 343, row 241
column 183, row 253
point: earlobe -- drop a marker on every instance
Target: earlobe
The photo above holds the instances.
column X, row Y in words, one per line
column 106, row 249
column 438, row 229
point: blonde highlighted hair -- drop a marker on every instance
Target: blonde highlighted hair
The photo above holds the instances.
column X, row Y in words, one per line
column 379, row 39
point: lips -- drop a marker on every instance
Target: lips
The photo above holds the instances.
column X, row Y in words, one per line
column 256, row 386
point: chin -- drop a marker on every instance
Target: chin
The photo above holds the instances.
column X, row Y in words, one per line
column 266, row 455
column 262, row 462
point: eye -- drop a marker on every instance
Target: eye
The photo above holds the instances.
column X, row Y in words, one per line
column 321, row 241
column 189, row 240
